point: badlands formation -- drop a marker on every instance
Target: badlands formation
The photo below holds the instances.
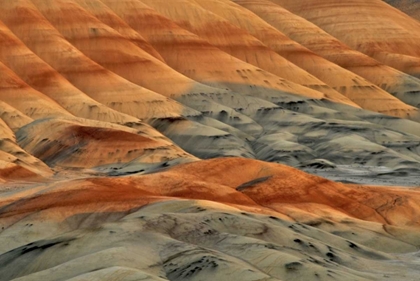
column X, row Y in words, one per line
column 209, row 140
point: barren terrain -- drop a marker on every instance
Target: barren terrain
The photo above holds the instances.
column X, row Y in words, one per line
column 209, row 140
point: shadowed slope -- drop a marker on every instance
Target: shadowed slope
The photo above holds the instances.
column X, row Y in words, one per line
column 410, row 7
column 100, row 228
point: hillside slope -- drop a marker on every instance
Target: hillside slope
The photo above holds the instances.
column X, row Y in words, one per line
column 209, row 140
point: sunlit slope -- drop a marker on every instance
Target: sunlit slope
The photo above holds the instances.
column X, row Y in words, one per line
column 218, row 78
column 99, row 83
column 399, row 84
column 238, row 43
column 112, row 50
column 32, row 103
column 43, row 78
column 148, row 140
column 15, row 163
column 13, row 118
column 269, row 21
column 392, row 36
column 198, row 59
column 68, row 143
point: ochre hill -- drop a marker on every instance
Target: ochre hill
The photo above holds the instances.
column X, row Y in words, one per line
column 94, row 80
column 218, row 78
column 197, row 58
column 208, row 216
column 32, row 103
column 238, row 43
column 43, row 78
column 392, row 37
column 15, row 163
column 148, row 140
column 91, row 144
column 273, row 20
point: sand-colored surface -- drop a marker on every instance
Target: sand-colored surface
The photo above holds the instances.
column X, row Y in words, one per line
column 267, row 22
column 99, row 83
column 396, row 47
column 202, row 61
column 90, row 144
column 209, row 140
column 238, row 43
column 207, row 220
column 323, row 44
column 16, row 163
